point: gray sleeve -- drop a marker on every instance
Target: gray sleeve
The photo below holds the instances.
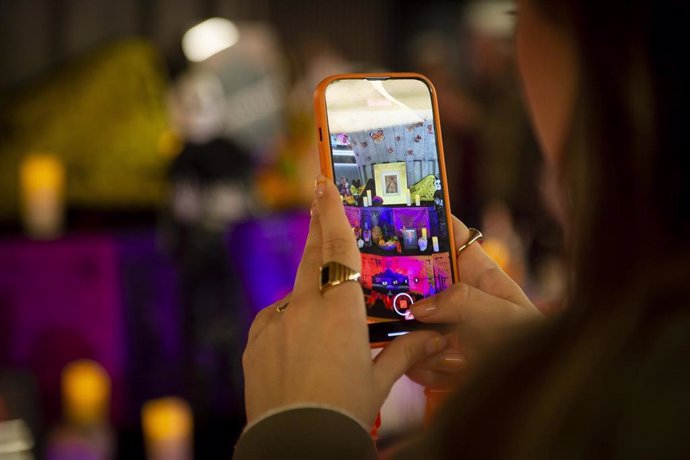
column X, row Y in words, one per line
column 306, row 434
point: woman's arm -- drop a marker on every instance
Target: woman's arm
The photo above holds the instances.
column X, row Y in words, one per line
column 306, row 434
column 316, row 352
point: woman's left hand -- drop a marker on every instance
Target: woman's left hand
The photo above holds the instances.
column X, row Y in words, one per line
column 316, row 351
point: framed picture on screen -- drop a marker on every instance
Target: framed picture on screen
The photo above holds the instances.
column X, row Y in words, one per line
column 391, row 182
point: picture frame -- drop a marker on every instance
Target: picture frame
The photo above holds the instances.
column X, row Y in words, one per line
column 391, row 182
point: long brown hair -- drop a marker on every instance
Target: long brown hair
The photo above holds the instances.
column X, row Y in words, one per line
column 628, row 169
column 611, row 377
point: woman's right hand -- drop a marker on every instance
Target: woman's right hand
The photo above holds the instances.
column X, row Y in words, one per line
column 485, row 306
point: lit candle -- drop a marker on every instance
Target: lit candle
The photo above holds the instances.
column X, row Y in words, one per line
column 424, row 232
column 434, row 242
column 409, row 200
column 167, row 425
column 369, row 197
column 85, row 392
column 417, row 202
column 42, row 179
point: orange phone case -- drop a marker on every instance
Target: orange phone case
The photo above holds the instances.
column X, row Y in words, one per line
column 323, row 137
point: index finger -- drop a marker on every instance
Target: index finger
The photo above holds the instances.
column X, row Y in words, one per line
column 337, row 238
column 306, row 280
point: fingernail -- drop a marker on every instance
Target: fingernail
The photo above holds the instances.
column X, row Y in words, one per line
column 453, row 360
column 320, row 186
column 423, row 310
column 313, row 210
column 435, row 345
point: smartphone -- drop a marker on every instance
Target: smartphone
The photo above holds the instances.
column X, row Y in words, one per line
column 380, row 141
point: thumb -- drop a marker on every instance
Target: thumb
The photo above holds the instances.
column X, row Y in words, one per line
column 403, row 353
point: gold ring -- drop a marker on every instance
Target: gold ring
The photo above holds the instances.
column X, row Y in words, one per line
column 282, row 304
column 475, row 235
column 335, row 273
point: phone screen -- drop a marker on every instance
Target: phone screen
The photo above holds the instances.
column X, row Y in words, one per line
column 386, row 164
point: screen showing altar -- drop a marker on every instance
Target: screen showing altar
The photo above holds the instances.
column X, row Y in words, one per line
column 386, row 166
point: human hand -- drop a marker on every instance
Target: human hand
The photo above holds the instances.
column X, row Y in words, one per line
column 486, row 305
column 316, row 351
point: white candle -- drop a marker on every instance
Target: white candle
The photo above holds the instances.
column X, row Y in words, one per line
column 417, row 201
column 85, row 392
column 168, row 426
column 369, row 197
column 434, row 242
column 365, row 201
column 409, row 200
column 42, row 182
column 424, row 232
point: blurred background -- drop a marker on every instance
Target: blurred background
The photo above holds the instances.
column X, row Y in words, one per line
column 156, row 169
